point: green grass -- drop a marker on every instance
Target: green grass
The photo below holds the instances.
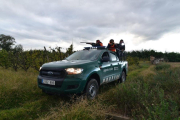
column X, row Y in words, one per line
column 134, row 70
column 162, row 66
column 149, row 97
column 21, row 98
column 140, row 97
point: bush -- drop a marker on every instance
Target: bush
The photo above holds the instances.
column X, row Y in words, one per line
column 4, row 59
column 133, row 60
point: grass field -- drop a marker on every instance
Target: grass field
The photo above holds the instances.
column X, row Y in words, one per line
column 150, row 92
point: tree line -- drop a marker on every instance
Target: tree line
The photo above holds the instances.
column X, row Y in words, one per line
column 17, row 58
column 145, row 55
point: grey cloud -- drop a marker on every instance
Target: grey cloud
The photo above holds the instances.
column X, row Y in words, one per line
column 80, row 19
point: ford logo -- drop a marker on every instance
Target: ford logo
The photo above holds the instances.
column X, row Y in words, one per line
column 50, row 73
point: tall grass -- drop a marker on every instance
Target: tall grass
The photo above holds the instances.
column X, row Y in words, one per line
column 154, row 96
column 20, row 97
column 162, row 66
column 79, row 110
column 150, row 97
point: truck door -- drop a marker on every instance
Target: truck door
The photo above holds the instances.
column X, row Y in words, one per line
column 106, row 68
column 115, row 73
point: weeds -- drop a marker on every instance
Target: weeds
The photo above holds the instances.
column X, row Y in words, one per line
column 162, row 66
column 153, row 96
column 79, row 110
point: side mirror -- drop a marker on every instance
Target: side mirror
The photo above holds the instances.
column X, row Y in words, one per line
column 105, row 59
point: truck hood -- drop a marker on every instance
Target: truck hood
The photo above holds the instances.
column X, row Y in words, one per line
column 66, row 63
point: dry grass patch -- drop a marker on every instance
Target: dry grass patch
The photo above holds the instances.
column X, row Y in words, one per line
column 77, row 110
column 149, row 71
column 174, row 64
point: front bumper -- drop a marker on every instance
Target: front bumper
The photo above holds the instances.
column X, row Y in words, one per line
column 62, row 85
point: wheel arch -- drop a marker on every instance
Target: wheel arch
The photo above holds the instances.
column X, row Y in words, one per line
column 120, row 78
column 95, row 76
column 124, row 71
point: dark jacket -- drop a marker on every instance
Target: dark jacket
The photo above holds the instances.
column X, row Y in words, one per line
column 97, row 44
column 121, row 46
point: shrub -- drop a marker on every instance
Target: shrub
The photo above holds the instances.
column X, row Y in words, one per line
column 4, row 59
column 133, row 60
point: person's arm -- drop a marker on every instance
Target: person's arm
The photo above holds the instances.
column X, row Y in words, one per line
column 116, row 45
column 93, row 44
column 123, row 47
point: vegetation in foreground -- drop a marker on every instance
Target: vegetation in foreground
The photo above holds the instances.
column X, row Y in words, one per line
column 154, row 95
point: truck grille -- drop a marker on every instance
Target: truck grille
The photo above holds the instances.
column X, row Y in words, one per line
column 53, row 73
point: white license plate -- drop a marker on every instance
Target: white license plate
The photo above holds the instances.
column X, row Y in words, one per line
column 49, row 82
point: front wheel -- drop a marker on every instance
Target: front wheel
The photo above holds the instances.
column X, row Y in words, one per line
column 123, row 77
column 92, row 89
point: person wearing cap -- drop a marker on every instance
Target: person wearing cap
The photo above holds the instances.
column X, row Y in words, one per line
column 121, row 45
column 98, row 43
column 111, row 45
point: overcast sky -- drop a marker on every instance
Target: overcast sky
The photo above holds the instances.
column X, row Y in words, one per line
column 142, row 24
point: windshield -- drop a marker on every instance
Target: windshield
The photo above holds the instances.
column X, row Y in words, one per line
column 84, row 55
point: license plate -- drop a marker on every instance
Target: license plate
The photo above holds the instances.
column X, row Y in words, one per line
column 49, row 82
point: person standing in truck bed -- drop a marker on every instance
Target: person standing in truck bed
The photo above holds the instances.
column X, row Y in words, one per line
column 98, row 43
column 121, row 49
column 121, row 45
column 111, row 45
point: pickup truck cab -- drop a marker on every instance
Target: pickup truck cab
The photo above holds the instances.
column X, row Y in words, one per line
column 82, row 72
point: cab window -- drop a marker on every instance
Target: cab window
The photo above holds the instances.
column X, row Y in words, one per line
column 84, row 55
column 105, row 54
column 113, row 57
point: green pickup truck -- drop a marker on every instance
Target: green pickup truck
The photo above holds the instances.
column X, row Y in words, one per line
column 82, row 72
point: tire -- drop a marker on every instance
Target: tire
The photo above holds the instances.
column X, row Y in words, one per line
column 123, row 77
column 92, row 89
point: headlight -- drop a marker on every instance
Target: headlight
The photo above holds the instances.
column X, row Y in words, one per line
column 40, row 68
column 74, row 70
